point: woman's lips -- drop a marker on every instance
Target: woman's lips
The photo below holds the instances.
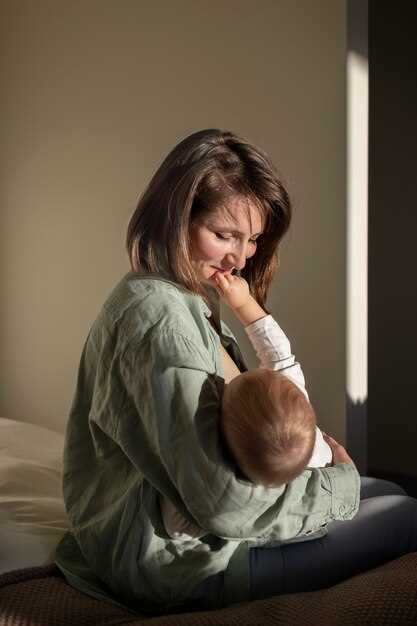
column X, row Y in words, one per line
column 220, row 270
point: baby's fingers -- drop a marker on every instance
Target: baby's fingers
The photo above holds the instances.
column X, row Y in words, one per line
column 329, row 438
column 222, row 283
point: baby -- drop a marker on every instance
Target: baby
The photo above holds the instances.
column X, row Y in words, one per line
column 268, row 424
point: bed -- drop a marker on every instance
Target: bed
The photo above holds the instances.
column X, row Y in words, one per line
column 34, row 593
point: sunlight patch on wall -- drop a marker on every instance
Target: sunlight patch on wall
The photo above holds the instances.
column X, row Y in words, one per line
column 357, row 227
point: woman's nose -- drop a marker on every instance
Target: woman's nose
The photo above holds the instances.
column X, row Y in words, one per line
column 238, row 257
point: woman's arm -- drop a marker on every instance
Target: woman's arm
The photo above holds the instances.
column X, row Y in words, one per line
column 172, row 383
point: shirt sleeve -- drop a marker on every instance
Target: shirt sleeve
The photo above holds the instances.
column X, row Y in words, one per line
column 172, row 383
column 273, row 350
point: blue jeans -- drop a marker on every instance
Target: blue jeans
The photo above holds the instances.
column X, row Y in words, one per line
column 384, row 528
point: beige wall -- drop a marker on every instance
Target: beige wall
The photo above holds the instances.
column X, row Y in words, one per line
column 94, row 94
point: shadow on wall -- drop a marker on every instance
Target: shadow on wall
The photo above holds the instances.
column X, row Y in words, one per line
column 356, row 432
column 356, row 444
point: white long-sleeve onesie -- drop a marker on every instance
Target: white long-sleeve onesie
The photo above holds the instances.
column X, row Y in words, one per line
column 273, row 350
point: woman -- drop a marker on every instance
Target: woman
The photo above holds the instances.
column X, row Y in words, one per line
column 143, row 423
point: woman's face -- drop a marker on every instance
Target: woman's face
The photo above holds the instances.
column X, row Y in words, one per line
column 223, row 242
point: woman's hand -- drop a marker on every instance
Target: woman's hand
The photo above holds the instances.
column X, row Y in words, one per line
column 338, row 451
column 234, row 290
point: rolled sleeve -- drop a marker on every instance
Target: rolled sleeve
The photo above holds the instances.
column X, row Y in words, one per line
column 345, row 490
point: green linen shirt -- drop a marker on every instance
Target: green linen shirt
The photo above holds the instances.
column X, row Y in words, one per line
column 144, row 422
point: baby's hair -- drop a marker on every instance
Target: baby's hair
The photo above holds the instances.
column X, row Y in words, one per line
column 268, row 426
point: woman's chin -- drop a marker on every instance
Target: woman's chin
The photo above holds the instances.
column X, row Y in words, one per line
column 207, row 275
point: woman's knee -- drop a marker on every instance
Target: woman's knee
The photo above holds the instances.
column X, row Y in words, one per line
column 372, row 487
column 383, row 523
column 384, row 528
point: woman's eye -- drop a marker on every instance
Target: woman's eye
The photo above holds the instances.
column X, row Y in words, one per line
column 225, row 238
column 220, row 236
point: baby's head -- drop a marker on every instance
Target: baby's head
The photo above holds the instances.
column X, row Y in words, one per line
column 268, row 425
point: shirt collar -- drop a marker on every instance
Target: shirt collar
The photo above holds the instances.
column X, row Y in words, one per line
column 214, row 300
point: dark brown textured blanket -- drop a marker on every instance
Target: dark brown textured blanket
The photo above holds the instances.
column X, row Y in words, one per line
column 386, row 595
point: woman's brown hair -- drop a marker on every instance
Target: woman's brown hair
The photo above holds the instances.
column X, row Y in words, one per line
column 202, row 173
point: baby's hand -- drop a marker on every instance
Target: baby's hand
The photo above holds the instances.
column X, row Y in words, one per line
column 338, row 451
column 234, row 290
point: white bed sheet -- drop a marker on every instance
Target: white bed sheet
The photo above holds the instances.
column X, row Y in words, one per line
column 32, row 511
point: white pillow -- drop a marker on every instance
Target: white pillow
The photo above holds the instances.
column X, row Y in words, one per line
column 32, row 512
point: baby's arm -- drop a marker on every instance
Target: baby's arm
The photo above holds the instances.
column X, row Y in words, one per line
column 273, row 350
column 267, row 338
column 271, row 345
